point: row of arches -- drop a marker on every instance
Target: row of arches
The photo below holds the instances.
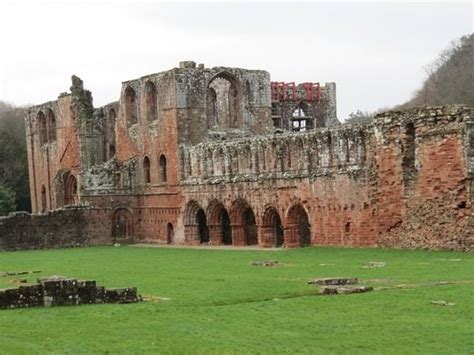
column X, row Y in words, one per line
column 46, row 124
column 131, row 104
column 162, row 170
column 238, row 226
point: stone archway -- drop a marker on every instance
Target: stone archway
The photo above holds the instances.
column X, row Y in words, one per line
column 170, row 233
column 272, row 233
column 244, row 227
column 220, row 231
column 122, row 225
column 298, row 228
column 196, row 230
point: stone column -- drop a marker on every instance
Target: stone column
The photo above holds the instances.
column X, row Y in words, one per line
column 191, row 235
column 238, row 235
column 215, row 234
column 291, row 236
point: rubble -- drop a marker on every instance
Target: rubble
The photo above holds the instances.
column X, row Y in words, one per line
column 61, row 291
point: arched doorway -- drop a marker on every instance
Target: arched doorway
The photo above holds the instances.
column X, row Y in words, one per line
column 70, row 189
column 219, row 224
column 298, row 231
column 203, row 230
column 244, row 227
column 196, row 230
column 122, row 225
column 272, row 229
column 170, row 233
column 250, row 227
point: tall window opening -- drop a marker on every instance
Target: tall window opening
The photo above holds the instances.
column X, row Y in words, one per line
column 223, row 101
column 131, row 111
column 51, row 126
column 146, row 170
column 150, row 101
column 162, row 169
column 42, row 128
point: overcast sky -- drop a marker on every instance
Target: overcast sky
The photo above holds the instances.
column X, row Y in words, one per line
column 375, row 52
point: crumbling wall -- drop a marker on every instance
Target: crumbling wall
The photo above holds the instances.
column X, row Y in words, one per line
column 62, row 228
column 427, row 205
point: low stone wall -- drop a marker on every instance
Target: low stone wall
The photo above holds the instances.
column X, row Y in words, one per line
column 67, row 227
column 60, row 291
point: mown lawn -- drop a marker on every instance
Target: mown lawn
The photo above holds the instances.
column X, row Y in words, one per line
column 216, row 302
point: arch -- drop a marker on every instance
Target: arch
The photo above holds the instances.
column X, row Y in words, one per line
column 146, row 170
column 51, row 126
column 272, row 229
column 223, row 99
column 244, row 227
column 122, row 224
column 150, row 101
column 170, row 233
column 42, row 127
column 43, row 198
column 163, row 173
column 195, row 223
column 70, row 189
column 131, row 109
column 220, row 231
column 298, row 228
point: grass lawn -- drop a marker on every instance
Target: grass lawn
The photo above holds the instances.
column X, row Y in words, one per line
column 216, row 302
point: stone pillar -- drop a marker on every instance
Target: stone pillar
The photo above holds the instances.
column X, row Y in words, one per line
column 215, row 234
column 238, row 235
column 291, row 236
column 267, row 238
column 191, row 235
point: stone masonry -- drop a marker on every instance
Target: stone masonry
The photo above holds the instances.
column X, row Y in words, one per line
column 197, row 155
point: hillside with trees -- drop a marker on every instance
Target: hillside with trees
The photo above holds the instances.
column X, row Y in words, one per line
column 450, row 78
column 14, row 185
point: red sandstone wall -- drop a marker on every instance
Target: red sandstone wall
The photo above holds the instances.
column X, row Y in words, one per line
column 433, row 209
column 45, row 161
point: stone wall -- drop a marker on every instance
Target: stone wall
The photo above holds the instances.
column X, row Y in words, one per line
column 423, row 187
column 62, row 228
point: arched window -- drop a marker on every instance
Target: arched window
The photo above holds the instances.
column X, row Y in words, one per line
column 43, row 198
column 131, row 112
column 162, row 168
column 150, row 101
column 42, row 128
column 223, row 101
column 51, row 126
column 146, row 170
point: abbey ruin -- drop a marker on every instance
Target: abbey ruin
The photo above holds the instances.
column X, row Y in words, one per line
column 225, row 156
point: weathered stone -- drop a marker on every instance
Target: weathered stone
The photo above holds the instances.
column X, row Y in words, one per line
column 60, row 291
column 343, row 290
column 265, row 263
column 334, row 281
column 121, row 295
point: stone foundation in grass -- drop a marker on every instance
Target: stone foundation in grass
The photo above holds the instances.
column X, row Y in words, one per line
column 62, row 291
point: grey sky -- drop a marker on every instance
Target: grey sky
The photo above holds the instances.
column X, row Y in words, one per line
column 375, row 52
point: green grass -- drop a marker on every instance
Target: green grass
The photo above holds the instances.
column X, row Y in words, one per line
column 219, row 303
